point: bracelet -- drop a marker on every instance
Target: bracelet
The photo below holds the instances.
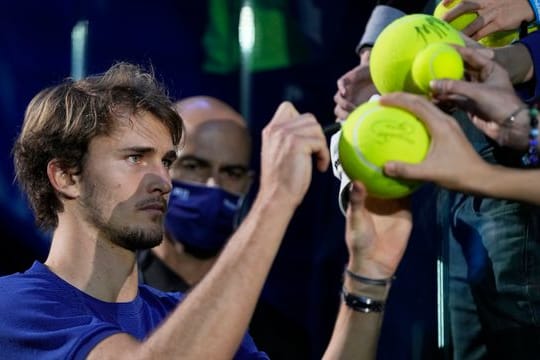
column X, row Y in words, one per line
column 362, row 303
column 531, row 157
column 368, row 281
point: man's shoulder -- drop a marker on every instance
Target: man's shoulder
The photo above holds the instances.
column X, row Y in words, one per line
column 44, row 317
column 29, row 281
column 32, row 296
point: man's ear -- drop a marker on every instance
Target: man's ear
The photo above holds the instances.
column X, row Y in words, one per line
column 63, row 180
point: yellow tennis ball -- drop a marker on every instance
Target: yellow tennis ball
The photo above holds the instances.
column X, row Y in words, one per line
column 398, row 44
column 436, row 61
column 458, row 23
column 373, row 135
column 504, row 37
column 499, row 38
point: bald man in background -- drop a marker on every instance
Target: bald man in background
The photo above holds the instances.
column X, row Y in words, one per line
column 210, row 179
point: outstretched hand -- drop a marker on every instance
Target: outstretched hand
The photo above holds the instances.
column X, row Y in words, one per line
column 354, row 88
column 493, row 15
column 377, row 233
column 489, row 97
column 451, row 160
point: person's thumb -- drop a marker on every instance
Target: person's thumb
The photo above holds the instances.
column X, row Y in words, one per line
column 358, row 233
column 357, row 198
column 403, row 170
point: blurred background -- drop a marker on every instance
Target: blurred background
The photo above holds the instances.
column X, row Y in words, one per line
column 253, row 55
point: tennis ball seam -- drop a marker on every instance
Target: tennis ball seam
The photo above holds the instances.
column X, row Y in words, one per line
column 432, row 60
column 356, row 143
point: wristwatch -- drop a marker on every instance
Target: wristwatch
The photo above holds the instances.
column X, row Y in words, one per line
column 362, row 303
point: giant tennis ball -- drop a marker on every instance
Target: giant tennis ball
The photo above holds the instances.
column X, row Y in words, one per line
column 398, row 44
column 374, row 134
column 458, row 23
column 436, row 61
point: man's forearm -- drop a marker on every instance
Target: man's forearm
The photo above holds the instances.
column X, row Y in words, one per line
column 517, row 60
column 356, row 334
column 214, row 317
column 507, row 183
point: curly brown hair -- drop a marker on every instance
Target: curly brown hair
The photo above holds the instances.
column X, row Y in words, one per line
column 61, row 121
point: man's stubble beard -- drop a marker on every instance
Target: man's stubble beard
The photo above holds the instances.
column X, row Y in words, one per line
column 117, row 229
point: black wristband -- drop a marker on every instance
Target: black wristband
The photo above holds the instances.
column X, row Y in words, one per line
column 368, row 281
column 362, row 303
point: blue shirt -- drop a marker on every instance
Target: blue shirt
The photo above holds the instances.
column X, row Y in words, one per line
column 44, row 317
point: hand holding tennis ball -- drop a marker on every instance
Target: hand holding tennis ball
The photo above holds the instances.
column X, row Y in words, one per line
column 396, row 48
column 495, row 39
column 436, row 61
column 459, row 23
column 373, row 135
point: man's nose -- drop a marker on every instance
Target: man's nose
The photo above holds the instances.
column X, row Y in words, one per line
column 160, row 180
column 213, row 179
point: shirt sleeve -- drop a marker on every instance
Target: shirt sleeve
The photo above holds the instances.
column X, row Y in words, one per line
column 29, row 333
column 383, row 14
column 248, row 350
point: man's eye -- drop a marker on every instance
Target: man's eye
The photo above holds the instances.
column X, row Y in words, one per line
column 134, row 159
column 235, row 173
column 167, row 163
column 190, row 166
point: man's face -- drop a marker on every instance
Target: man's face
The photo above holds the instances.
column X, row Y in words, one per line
column 216, row 153
column 125, row 182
